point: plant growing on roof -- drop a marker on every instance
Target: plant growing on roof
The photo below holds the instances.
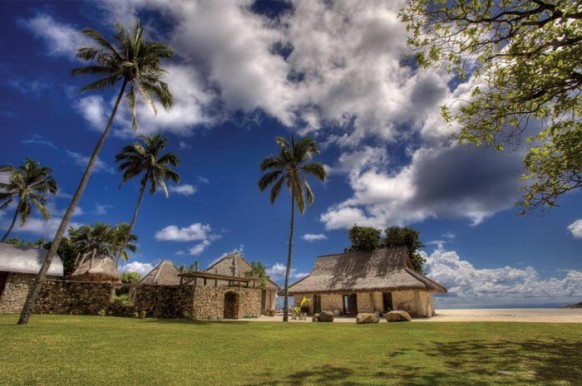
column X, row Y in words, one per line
column 291, row 168
column 144, row 158
column 259, row 271
column 28, row 185
column 133, row 62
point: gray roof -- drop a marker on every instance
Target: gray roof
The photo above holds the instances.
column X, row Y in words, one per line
column 381, row 269
column 164, row 273
column 102, row 269
column 27, row 260
column 233, row 264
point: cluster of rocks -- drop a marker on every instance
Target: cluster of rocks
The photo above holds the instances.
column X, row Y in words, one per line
column 364, row 318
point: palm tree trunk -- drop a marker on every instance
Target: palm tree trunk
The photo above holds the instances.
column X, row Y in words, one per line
column 139, row 200
column 41, row 277
column 290, row 252
column 12, row 223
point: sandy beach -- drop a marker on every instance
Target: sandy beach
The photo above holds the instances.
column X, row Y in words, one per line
column 533, row 315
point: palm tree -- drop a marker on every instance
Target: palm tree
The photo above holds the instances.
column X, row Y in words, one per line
column 145, row 159
column 291, row 168
column 136, row 64
column 123, row 236
column 91, row 241
column 29, row 184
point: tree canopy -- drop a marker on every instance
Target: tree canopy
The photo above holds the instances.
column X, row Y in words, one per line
column 370, row 238
column 259, row 271
column 524, row 60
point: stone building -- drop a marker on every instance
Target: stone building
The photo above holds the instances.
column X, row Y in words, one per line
column 18, row 269
column 381, row 280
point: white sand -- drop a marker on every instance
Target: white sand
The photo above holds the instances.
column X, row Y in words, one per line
column 535, row 315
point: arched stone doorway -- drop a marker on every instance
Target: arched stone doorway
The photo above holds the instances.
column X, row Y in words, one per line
column 231, row 305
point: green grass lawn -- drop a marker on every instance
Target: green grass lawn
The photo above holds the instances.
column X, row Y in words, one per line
column 56, row 349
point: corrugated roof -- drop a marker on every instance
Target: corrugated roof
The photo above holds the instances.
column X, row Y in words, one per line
column 381, row 269
column 27, row 260
column 164, row 273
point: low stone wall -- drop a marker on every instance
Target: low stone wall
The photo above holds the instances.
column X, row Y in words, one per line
column 209, row 302
column 15, row 291
column 74, row 297
column 165, row 301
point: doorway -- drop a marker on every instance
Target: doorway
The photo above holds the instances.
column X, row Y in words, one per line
column 231, row 305
column 387, row 300
column 3, row 279
column 316, row 304
column 350, row 304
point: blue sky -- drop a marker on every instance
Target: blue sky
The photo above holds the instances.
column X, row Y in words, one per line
column 247, row 72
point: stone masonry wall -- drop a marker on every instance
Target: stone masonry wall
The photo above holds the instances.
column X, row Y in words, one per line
column 165, row 301
column 209, row 302
column 15, row 291
column 76, row 297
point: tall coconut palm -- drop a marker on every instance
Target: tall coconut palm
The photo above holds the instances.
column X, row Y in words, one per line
column 29, row 185
column 135, row 64
column 124, row 241
column 144, row 159
column 290, row 168
column 91, row 241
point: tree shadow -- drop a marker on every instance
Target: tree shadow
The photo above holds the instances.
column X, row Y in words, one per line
column 323, row 375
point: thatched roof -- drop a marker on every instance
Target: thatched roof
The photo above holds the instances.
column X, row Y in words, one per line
column 233, row 264
column 102, row 269
column 27, row 260
column 382, row 269
column 164, row 273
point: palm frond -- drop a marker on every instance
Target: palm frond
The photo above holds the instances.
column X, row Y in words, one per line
column 268, row 178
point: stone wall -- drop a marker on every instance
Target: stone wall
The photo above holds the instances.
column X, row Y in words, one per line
column 416, row 303
column 209, row 302
column 74, row 297
column 365, row 302
column 15, row 291
column 165, row 301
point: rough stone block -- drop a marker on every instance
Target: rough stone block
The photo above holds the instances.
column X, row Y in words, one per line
column 326, row 316
column 367, row 318
column 398, row 316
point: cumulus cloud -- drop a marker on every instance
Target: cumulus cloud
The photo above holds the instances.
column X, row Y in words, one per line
column 183, row 145
column 576, row 229
column 39, row 140
column 199, row 248
column 183, row 190
column 82, row 160
column 451, row 182
column 469, row 285
column 277, row 272
column 314, row 237
column 36, row 226
column 61, row 39
column 101, row 209
column 194, row 232
column 136, row 266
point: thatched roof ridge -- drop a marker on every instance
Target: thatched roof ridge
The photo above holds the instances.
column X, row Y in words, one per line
column 164, row 273
column 102, row 269
column 27, row 260
column 382, row 269
column 222, row 267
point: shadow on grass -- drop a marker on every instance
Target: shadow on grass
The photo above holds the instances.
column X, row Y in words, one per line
column 194, row 322
column 324, row 375
column 503, row 362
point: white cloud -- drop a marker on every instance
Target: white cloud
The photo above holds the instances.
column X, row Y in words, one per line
column 93, row 109
column 183, row 145
column 199, row 248
column 36, row 226
column 82, row 160
column 277, row 273
column 576, row 229
column 314, row 237
column 101, row 209
column 136, row 266
column 507, row 285
column 39, row 140
column 183, row 190
column 61, row 39
column 194, row 232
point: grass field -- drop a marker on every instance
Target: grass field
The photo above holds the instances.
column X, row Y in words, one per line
column 105, row 350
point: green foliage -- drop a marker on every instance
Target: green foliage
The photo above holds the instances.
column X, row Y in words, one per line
column 370, row 238
column 28, row 185
column 525, row 59
column 302, row 307
column 259, row 271
column 364, row 238
column 410, row 238
column 195, row 267
column 101, row 312
column 130, row 277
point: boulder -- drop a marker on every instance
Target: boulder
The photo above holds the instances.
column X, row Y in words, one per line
column 270, row 312
column 398, row 316
column 367, row 318
column 315, row 318
column 326, row 316
column 378, row 313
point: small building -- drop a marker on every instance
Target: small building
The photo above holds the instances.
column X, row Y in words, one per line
column 367, row 281
column 101, row 269
column 18, row 270
column 164, row 273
